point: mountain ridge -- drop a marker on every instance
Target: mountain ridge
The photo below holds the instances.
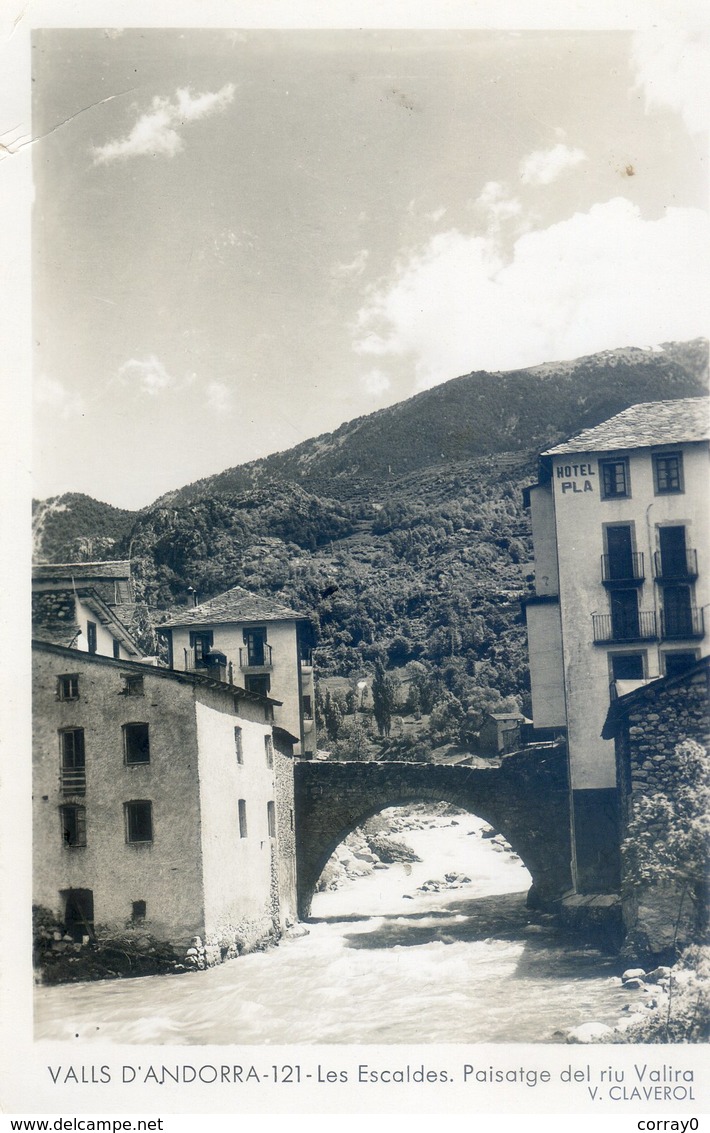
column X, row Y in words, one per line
column 476, row 414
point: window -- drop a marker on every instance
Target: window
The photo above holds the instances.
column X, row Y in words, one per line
column 614, row 479
column 307, row 708
column 624, row 615
column 239, row 745
column 677, row 612
column 242, row 818
column 201, row 643
column 627, row 666
column 138, row 911
column 73, row 769
column 675, row 562
column 116, row 650
column 91, row 642
column 139, row 821
column 136, row 743
column 261, row 685
column 675, row 663
column 68, row 687
column 269, row 749
column 132, row 685
column 668, row 472
column 73, row 822
column 255, row 641
column 271, row 819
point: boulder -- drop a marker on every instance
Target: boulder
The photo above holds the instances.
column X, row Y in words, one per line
column 589, row 1033
column 633, row 974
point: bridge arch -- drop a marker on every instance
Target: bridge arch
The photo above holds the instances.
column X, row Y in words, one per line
column 526, row 798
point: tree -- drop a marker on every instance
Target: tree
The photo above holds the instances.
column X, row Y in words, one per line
column 668, row 834
column 333, row 716
column 384, row 698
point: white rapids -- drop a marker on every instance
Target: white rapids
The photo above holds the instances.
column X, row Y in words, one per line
column 382, row 963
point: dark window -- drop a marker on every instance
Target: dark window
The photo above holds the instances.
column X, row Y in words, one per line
column 624, row 615
column 269, row 749
column 133, row 685
column 73, row 771
column 675, row 663
column 307, row 708
column 677, row 611
column 255, row 641
column 668, row 472
column 271, row 819
column 239, row 745
column 258, row 684
column 73, row 820
column 619, row 543
column 242, row 818
column 201, row 643
column 139, row 821
column 674, row 560
column 116, row 650
column 138, row 911
column 627, row 666
column 91, row 642
column 68, row 687
column 78, row 912
column 136, row 743
column 614, row 476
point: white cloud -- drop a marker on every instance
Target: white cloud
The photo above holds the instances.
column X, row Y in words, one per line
column 376, row 383
column 147, row 374
column 672, row 67
column 52, row 396
column 220, row 397
column 157, row 131
column 544, row 166
column 356, row 266
column 595, row 281
column 496, row 204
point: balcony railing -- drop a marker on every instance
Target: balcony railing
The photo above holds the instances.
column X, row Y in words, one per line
column 623, row 569
column 73, row 780
column 213, row 665
column 682, row 624
column 640, row 626
column 255, row 658
column 681, row 567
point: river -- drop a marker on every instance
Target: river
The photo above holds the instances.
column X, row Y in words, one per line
column 383, row 962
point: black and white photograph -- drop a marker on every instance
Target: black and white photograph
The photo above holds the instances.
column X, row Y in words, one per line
column 369, row 558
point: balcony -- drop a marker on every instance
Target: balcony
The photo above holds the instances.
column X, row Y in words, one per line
column 73, row 780
column 634, row 626
column 252, row 660
column 623, row 570
column 680, row 567
column 682, row 624
column 213, row 665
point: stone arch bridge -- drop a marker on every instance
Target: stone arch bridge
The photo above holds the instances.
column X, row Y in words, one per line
column 525, row 797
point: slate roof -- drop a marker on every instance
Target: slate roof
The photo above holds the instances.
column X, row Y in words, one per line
column 686, row 419
column 236, row 605
column 114, row 568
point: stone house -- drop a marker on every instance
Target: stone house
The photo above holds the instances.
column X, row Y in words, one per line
column 646, row 725
column 88, row 606
column 500, row 733
column 256, row 640
column 621, row 532
column 160, row 797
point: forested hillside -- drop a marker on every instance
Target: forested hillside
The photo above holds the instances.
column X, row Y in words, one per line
column 402, row 535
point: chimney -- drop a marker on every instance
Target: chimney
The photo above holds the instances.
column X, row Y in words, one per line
column 191, row 596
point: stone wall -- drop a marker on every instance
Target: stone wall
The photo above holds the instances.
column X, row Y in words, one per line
column 648, row 725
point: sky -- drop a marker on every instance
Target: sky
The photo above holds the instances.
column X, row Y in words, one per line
column 243, row 238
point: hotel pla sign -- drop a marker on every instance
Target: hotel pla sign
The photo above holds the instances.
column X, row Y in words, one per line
column 575, row 477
